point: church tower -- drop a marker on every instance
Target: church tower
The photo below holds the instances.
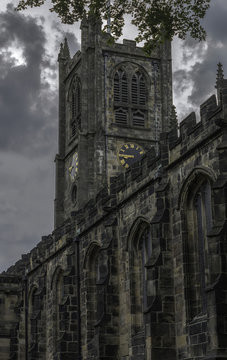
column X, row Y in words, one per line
column 114, row 101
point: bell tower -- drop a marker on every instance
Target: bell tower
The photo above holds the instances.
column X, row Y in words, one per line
column 114, row 101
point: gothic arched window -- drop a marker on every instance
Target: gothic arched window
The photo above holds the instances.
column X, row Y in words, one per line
column 97, row 272
column 59, row 299
column 141, row 299
column 33, row 318
column 130, row 98
column 75, row 107
column 91, row 288
column 199, row 223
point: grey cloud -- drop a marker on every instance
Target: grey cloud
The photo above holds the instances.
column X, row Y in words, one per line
column 73, row 43
column 181, row 78
column 28, row 106
column 215, row 21
column 26, row 206
column 202, row 75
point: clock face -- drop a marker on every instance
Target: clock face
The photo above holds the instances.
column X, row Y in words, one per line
column 129, row 153
column 73, row 169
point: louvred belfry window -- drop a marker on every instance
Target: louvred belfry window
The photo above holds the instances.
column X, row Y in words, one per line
column 120, row 87
column 121, row 97
column 138, row 89
column 121, row 116
column 130, row 99
column 138, row 118
column 75, row 107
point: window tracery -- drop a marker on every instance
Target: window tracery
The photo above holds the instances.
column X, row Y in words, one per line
column 130, row 98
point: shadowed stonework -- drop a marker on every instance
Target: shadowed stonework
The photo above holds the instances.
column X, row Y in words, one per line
column 136, row 265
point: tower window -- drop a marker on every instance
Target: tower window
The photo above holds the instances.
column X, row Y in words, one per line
column 130, row 107
column 75, row 107
column 120, row 87
column 138, row 118
column 121, row 116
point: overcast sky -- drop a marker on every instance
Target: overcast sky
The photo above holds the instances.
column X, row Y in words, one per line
column 29, row 45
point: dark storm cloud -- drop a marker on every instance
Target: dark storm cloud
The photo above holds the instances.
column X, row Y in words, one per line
column 202, row 75
column 28, row 107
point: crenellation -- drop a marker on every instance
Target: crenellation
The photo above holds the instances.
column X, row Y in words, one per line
column 187, row 125
column 208, row 108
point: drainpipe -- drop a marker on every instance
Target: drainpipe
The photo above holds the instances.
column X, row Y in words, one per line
column 77, row 248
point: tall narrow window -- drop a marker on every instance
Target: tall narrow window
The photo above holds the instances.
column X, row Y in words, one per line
column 120, row 87
column 138, row 99
column 121, row 97
column 140, row 290
column 199, row 221
column 141, row 287
column 60, row 309
column 91, row 288
column 146, row 254
column 138, row 89
column 33, row 319
column 101, row 276
column 75, row 107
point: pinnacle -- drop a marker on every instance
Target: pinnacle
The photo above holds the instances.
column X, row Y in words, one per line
column 64, row 52
column 220, row 76
column 173, row 118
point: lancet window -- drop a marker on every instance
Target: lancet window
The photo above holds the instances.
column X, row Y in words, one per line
column 97, row 272
column 60, row 309
column 199, row 222
column 33, row 319
column 141, row 296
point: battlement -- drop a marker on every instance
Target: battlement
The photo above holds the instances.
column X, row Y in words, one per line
column 192, row 133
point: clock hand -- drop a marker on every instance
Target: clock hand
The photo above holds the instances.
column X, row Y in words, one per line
column 126, row 156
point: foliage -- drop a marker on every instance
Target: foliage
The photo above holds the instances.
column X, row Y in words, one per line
column 156, row 20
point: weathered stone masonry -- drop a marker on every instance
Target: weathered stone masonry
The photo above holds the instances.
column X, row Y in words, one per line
column 139, row 271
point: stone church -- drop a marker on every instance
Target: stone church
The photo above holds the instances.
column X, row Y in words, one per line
column 136, row 267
